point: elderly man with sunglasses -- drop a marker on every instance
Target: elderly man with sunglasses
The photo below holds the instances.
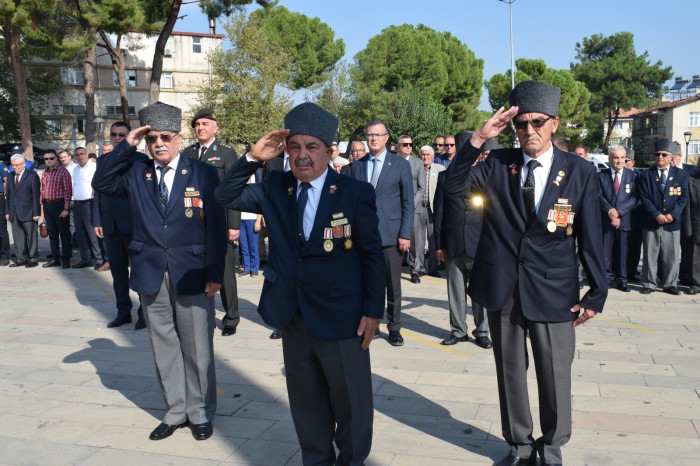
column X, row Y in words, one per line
column 663, row 192
column 177, row 251
column 537, row 201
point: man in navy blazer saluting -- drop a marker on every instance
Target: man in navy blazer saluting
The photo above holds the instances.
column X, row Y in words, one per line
column 325, row 224
column 537, row 201
column 177, row 255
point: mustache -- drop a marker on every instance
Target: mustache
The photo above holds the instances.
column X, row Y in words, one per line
column 534, row 137
column 303, row 162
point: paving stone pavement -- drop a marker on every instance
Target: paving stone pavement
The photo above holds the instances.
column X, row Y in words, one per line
column 75, row 392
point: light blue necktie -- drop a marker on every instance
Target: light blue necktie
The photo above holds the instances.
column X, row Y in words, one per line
column 375, row 172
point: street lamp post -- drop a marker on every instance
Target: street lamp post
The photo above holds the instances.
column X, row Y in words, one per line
column 512, row 61
column 98, row 123
column 687, row 135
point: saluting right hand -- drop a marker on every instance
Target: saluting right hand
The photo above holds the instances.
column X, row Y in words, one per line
column 493, row 126
column 135, row 136
column 269, row 146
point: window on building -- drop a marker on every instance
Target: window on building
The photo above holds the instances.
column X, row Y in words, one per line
column 116, row 110
column 80, row 126
column 169, row 47
column 694, row 147
column 129, row 75
column 694, row 119
column 618, row 125
column 196, row 45
column 52, row 126
column 69, row 109
column 166, row 80
column 72, row 76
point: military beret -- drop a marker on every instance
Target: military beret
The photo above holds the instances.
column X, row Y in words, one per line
column 161, row 117
column 17, row 150
column 537, row 97
column 665, row 145
column 207, row 113
column 308, row 118
column 491, row 144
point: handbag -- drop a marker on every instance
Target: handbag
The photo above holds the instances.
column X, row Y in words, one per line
column 43, row 230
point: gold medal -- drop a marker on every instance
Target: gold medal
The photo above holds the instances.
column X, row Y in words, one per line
column 348, row 243
column 551, row 227
column 201, row 213
column 328, row 245
column 569, row 230
column 188, row 212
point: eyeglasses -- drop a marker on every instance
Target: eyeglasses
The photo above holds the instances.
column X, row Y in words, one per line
column 49, row 158
column 661, row 154
column 439, row 145
column 536, row 124
column 450, row 145
column 406, row 144
column 114, row 135
column 374, row 135
column 166, row 138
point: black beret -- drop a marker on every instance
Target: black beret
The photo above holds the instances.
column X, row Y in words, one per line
column 665, row 145
column 207, row 113
column 491, row 144
column 537, row 97
column 17, row 150
column 308, row 118
column 161, row 117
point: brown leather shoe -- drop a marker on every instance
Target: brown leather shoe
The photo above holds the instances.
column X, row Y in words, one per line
column 51, row 263
column 104, row 267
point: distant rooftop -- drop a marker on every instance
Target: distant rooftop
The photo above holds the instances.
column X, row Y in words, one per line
column 683, row 88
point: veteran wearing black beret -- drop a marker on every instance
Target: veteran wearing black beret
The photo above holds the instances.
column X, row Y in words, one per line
column 325, row 224
column 538, row 200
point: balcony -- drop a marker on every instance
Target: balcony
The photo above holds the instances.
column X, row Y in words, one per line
column 650, row 131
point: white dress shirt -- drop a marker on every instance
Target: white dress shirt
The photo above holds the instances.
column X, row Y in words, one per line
column 541, row 173
column 314, row 193
column 169, row 175
column 82, row 181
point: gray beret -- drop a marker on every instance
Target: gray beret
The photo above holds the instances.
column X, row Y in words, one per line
column 534, row 96
column 491, row 144
column 207, row 113
column 677, row 148
column 161, row 117
column 665, row 145
column 308, row 118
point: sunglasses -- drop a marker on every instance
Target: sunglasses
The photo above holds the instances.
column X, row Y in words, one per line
column 166, row 138
column 449, row 145
column 49, row 158
column 661, row 154
column 536, row 124
column 439, row 145
column 114, row 135
column 406, row 144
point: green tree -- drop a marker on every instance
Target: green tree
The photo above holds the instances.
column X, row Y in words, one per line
column 434, row 62
column 333, row 93
column 310, row 42
column 248, row 84
column 573, row 105
column 617, row 77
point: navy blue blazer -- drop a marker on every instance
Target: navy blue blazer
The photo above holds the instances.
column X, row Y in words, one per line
column 191, row 248
column 394, row 196
column 23, row 202
column 624, row 201
column 305, row 277
column 514, row 252
column 663, row 201
column 113, row 214
column 457, row 221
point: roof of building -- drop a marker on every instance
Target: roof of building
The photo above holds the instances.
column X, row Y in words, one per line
column 672, row 104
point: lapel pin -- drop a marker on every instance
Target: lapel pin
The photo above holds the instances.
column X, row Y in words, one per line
column 333, row 188
column 513, row 168
column 290, row 190
column 184, row 171
column 148, row 176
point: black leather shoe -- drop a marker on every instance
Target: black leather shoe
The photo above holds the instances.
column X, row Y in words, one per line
column 623, row 287
column 140, row 324
column 165, row 430
column 34, row 264
column 693, row 290
column 276, row 335
column 118, row 322
column 228, row 331
column 18, row 264
column 484, row 342
column 453, row 340
column 395, row 338
column 82, row 265
column 377, row 334
column 65, row 264
column 435, row 274
column 646, row 291
column 51, row 263
column 415, row 278
column 201, row 431
column 672, row 290
column 512, row 460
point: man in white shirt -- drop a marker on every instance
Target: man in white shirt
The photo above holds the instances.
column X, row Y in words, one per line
column 82, row 211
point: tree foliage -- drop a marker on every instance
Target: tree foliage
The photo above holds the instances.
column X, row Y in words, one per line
column 437, row 63
column 249, row 78
column 333, row 95
column 573, row 104
column 616, row 76
column 310, row 42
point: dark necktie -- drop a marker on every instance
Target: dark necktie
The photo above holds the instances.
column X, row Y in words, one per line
column 617, row 183
column 202, row 150
column 529, row 188
column 301, row 206
column 163, row 188
column 16, row 180
column 663, row 179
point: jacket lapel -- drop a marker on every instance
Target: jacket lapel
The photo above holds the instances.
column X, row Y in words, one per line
column 387, row 166
column 557, row 176
column 325, row 203
column 514, row 182
column 183, row 172
column 290, row 190
column 151, row 182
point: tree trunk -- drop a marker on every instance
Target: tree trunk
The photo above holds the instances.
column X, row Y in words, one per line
column 157, row 68
column 612, row 119
column 119, row 67
column 89, row 70
column 12, row 44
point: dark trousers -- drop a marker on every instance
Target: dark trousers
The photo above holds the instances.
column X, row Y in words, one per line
column 696, row 265
column 4, row 235
column 329, row 383
column 59, row 231
column 553, row 346
column 85, row 232
column 26, row 238
column 634, row 250
column 392, row 260
column 118, row 244
column 615, row 251
column 685, row 273
column 229, row 290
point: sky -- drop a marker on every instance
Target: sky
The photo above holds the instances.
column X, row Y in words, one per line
column 547, row 29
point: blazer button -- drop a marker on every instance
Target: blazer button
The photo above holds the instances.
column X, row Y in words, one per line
column 165, row 225
column 521, row 261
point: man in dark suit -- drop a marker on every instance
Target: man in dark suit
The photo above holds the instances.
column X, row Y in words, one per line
column 693, row 219
column 177, row 261
column 4, row 235
column 23, row 211
column 112, row 219
column 618, row 197
column 538, row 201
column 634, row 236
column 209, row 150
column 416, row 258
column 391, row 177
column 663, row 191
column 685, row 269
column 324, row 223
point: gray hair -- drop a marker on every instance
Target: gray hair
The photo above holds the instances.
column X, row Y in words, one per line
column 612, row 149
column 17, row 157
column 428, row 148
